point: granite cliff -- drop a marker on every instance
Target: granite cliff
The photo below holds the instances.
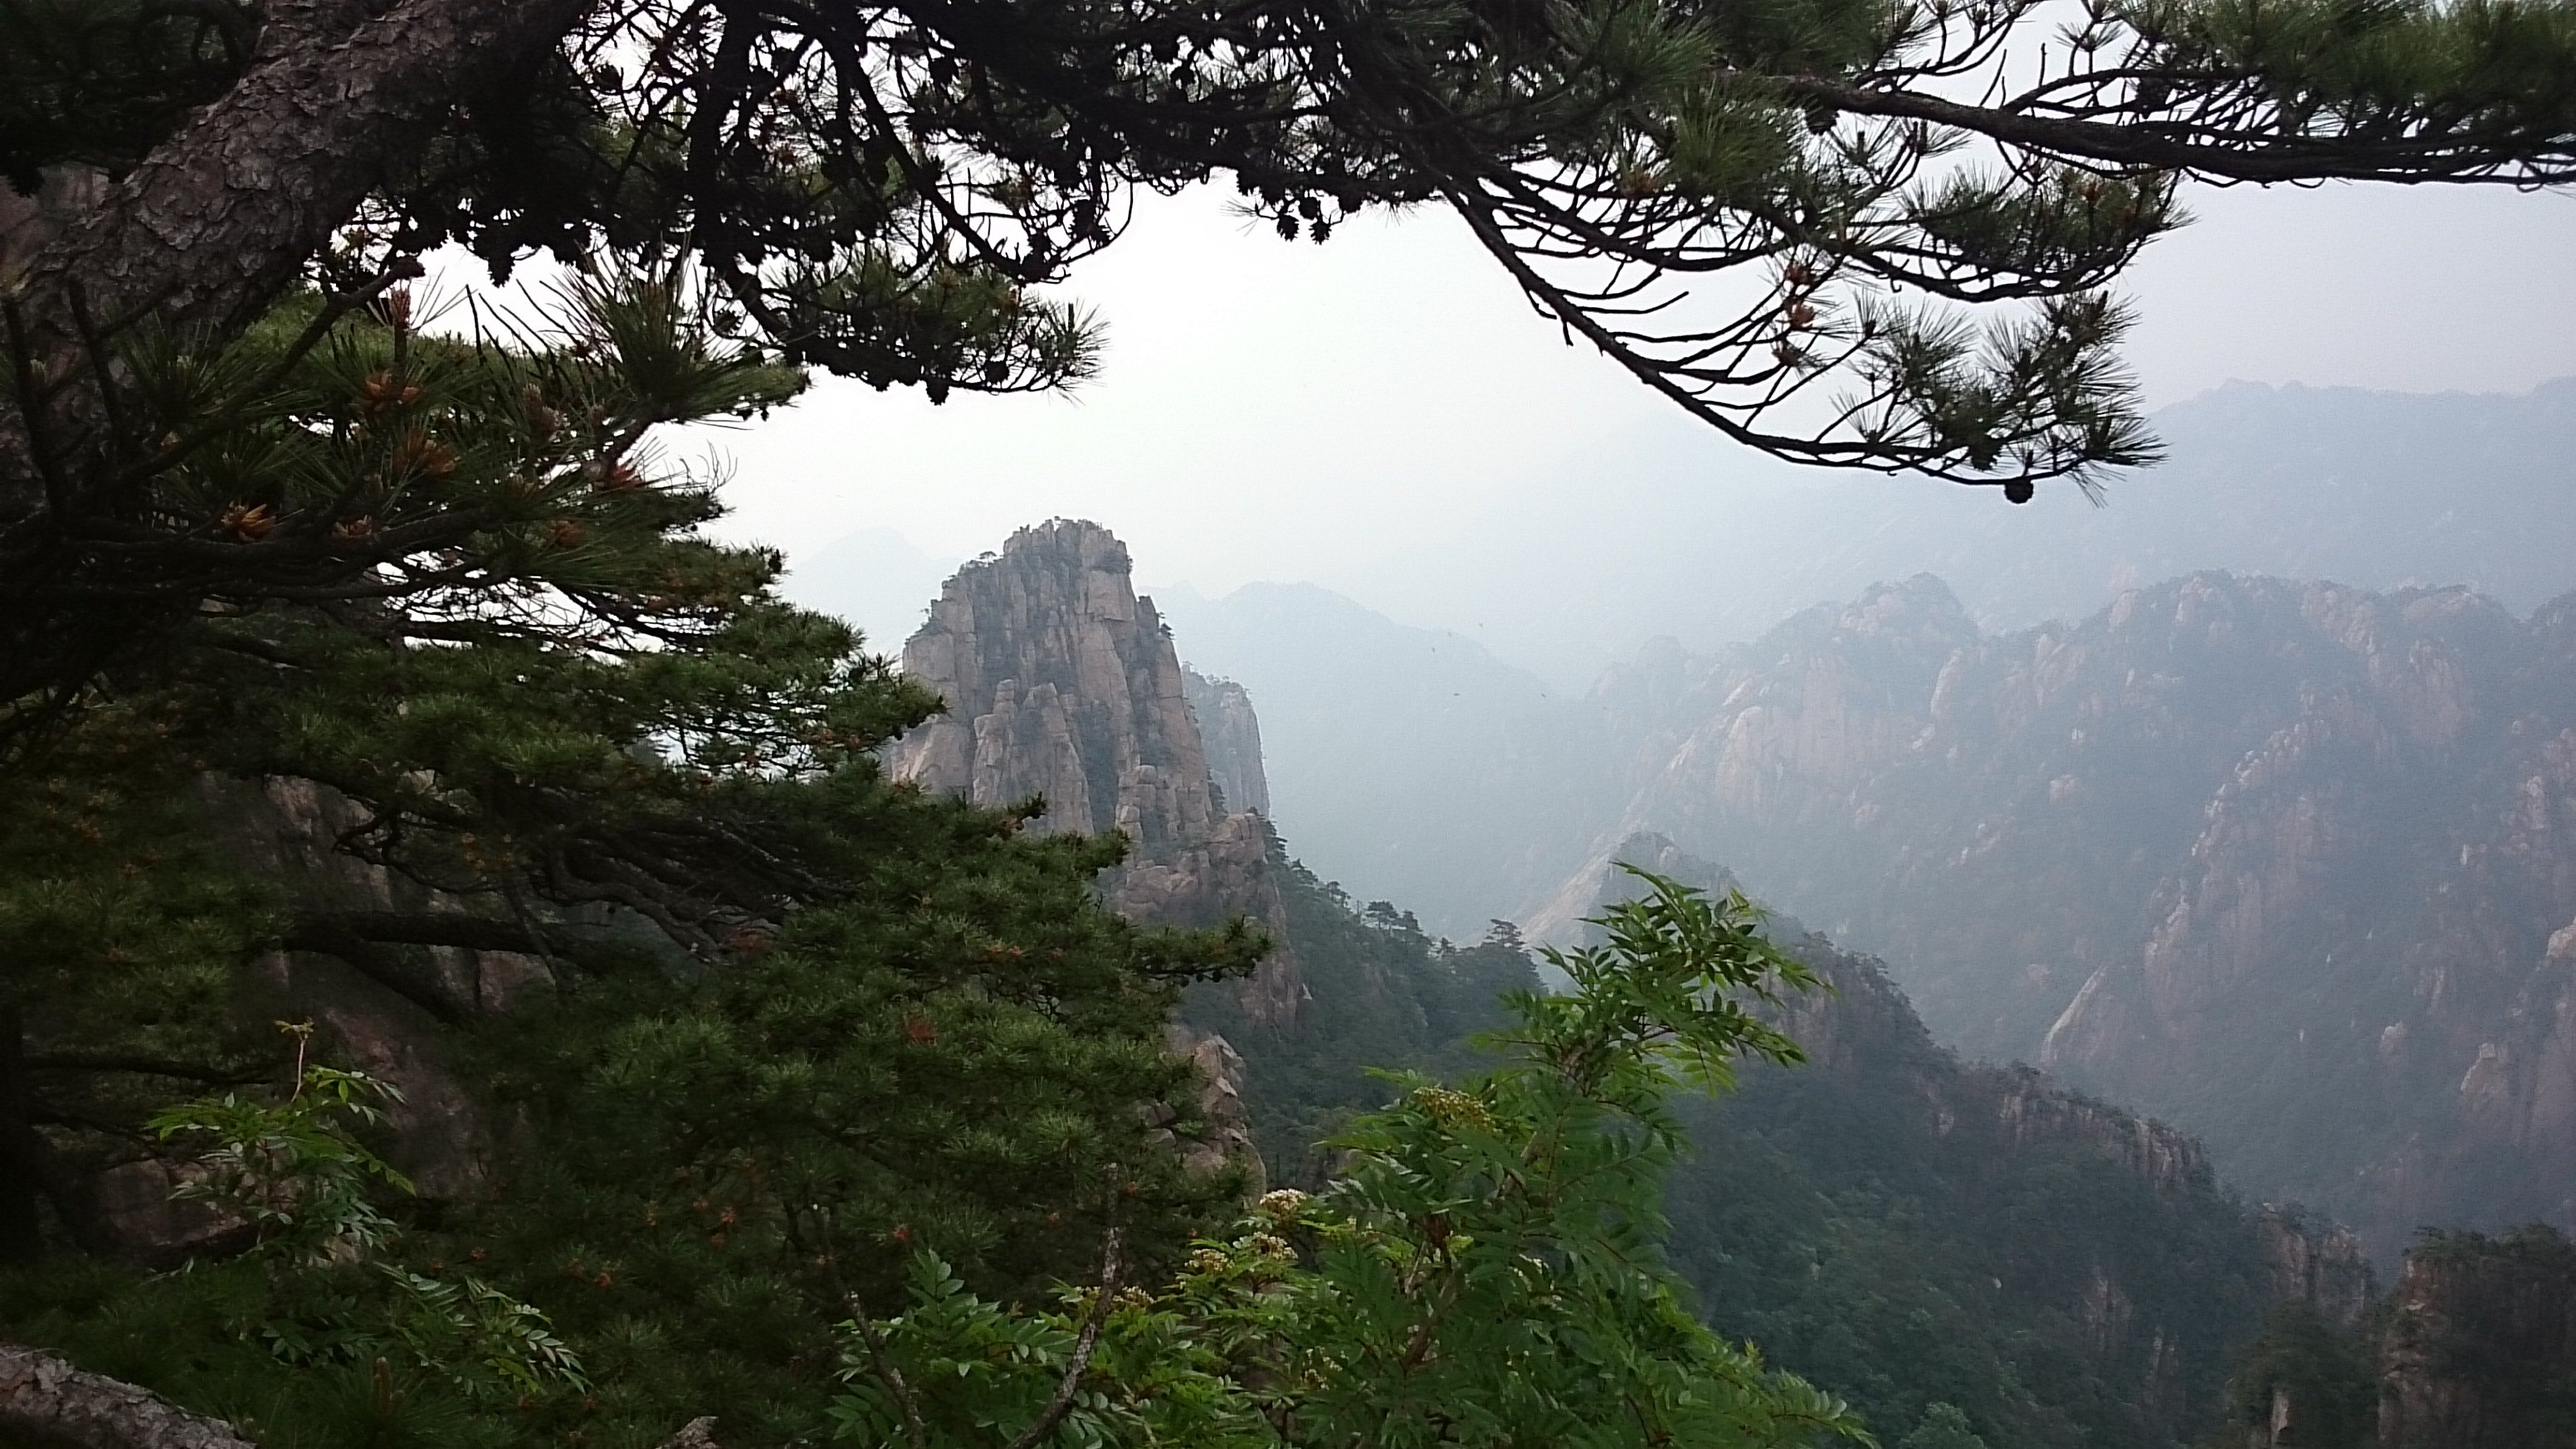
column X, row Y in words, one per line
column 2474, row 1349
column 1063, row 686
column 2292, row 865
column 1231, row 733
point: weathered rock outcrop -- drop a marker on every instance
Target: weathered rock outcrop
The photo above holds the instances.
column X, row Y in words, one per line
column 2320, row 1266
column 2480, row 1350
column 1063, row 684
column 2292, row 865
column 438, row 1130
column 1223, row 1130
column 1231, row 733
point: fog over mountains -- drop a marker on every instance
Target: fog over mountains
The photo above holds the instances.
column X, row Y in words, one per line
column 1581, row 560
column 1667, row 534
column 2270, row 827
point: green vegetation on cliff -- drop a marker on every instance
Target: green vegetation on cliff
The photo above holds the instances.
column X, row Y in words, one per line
column 1958, row 1250
column 1912, row 1231
column 1379, row 994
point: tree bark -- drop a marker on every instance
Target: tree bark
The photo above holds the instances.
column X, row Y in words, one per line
column 47, row 1400
column 211, row 228
column 698, row 1433
column 22, row 1237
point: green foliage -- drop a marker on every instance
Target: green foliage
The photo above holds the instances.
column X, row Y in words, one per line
column 1148, row 1371
column 2483, row 1317
column 1487, row 1270
column 784, row 1021
column 124, row 926
column 493, row 1345
column 1879, row 1229
column 1942, row 1427
column 1863, row 1219
column 310, row 1291
column 291, row 1170
column 1380, row 993
column 2324, row 1373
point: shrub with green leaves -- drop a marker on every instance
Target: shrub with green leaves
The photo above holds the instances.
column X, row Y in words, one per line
column 1487, row 1272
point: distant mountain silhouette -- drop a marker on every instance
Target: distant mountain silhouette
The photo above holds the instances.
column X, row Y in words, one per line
column 1668, row 532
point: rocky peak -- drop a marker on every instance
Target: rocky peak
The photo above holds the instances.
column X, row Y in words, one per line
column 1231, row 734
column 1063, row 684
column 1920, row 611
column 1561, row 920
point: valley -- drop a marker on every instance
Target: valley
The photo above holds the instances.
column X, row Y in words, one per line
column 1904, row 1224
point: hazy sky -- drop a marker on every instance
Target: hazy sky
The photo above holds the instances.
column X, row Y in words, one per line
column 1286, row 411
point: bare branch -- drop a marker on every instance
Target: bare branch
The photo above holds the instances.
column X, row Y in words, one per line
column 1110, row 1263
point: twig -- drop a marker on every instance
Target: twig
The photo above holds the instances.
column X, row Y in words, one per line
column 1110, row 1243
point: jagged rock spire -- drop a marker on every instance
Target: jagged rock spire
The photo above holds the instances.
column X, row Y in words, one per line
column 1062, row 683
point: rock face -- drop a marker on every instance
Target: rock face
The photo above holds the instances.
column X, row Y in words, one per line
column 2319, row 1266
column 2480, row 1350
column 1231, row 733
column 439, row 1132
column 2292, row 865
column 1063, row 684
column 1224, row 1125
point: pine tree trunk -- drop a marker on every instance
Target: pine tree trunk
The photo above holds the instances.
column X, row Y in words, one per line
column 209, row 230
column 21, row 1155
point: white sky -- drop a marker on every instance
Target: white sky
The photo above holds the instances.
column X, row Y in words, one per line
column 1286, row 411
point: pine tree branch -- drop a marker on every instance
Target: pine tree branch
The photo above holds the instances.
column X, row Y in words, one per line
column 208, row 229
column 329, row 937
column 47, row 1400
column 426, row 928
column 360, row 938
column 2239, row 156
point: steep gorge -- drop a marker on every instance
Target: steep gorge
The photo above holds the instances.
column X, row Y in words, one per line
column 1914, row 1228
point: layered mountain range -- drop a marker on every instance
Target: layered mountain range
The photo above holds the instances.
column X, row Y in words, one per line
column 1671, row 530
column 2287, row 863
column 1065, row 688
column 1929, row 1234
column 2293, row 865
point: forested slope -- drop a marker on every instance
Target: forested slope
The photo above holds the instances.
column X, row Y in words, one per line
column 1901, row 1227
